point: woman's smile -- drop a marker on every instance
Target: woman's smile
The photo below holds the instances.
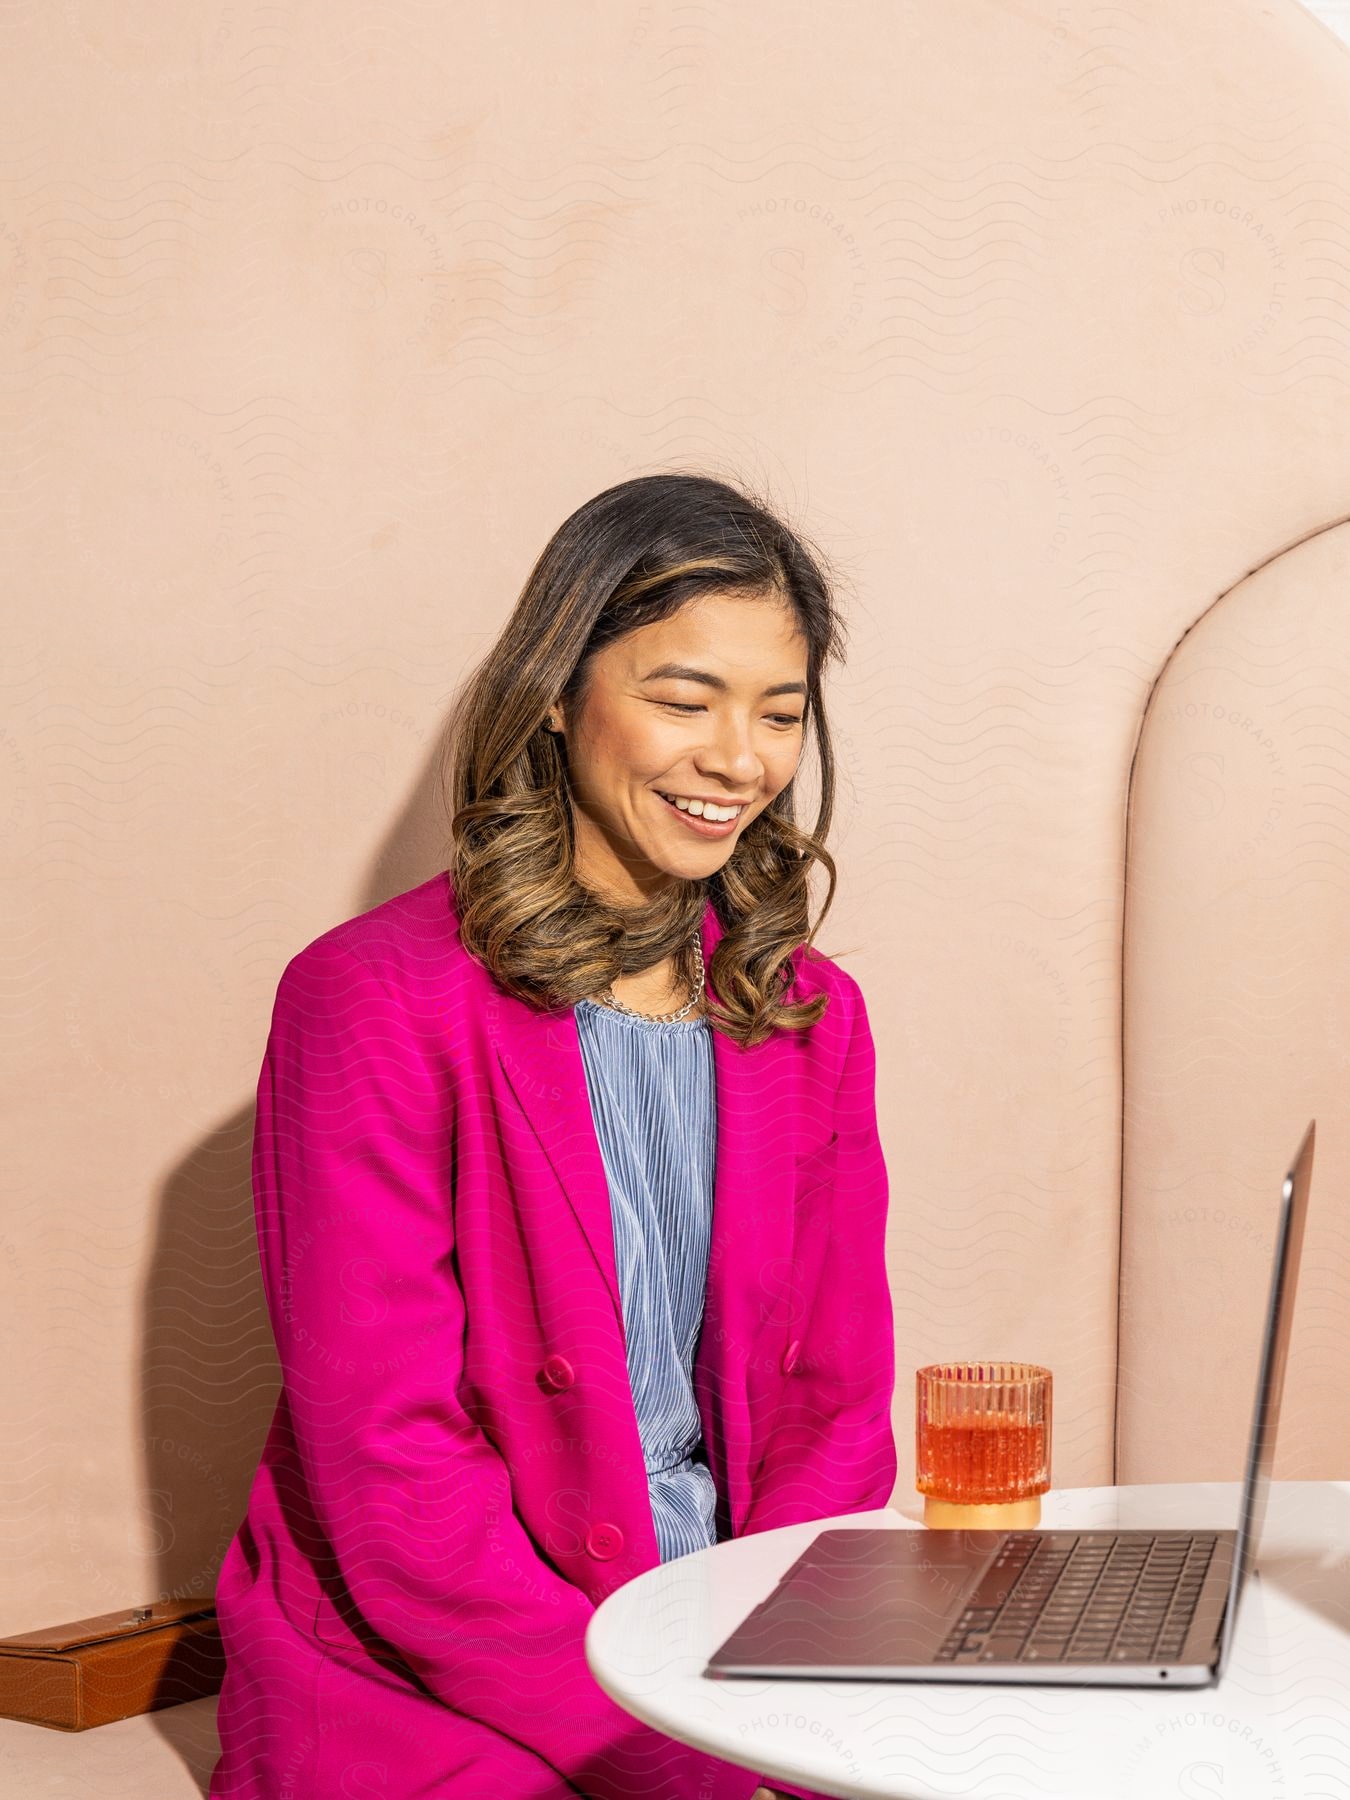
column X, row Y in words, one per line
column 716, row 827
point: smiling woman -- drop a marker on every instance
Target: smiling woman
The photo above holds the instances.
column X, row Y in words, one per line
column 566, row 1163
column 628, row 751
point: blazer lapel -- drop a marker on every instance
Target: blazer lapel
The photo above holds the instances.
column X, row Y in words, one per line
column 541, row 1054
column 751, row 1249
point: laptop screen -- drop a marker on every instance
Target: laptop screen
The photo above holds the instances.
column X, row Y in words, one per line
column 1270, row 1381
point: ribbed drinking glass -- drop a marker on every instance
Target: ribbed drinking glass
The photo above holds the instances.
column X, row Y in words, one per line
column 982, row 1443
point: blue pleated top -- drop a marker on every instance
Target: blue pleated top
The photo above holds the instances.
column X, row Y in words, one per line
column 653, row 1097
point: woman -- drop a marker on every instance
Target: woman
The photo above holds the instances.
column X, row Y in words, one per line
column 570, row 1199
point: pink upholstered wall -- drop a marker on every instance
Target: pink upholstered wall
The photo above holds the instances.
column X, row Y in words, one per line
column 315, row 322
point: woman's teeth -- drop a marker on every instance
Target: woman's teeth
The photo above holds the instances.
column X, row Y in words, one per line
column 703, row 809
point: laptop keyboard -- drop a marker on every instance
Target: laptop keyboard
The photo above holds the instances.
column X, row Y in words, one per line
column 1047, row 1600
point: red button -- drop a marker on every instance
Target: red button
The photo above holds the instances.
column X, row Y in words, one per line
column 790, row 1357
column 558, row 1372
column 604, row 1541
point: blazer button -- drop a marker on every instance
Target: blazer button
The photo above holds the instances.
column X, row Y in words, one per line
column 790, row 1357
column 558, row 1372
column 604, row 1541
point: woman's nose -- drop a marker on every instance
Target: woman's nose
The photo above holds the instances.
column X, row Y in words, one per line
column 730, row 752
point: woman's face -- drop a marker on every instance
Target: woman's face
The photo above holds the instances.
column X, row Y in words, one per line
column 726, row 729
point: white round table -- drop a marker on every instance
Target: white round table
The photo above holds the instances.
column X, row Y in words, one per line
column 1277, row 1727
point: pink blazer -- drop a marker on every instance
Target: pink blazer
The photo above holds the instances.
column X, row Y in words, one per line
column 453, row 1477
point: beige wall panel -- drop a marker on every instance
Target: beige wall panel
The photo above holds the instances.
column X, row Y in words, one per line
column 1237, row 1025
column 315, row 322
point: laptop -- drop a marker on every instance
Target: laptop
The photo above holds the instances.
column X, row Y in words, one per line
column 1086, row 1608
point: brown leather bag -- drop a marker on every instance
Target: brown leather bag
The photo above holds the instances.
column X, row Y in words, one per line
column 92, row 1671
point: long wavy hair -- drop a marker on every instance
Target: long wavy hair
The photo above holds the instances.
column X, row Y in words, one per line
column 631, row 556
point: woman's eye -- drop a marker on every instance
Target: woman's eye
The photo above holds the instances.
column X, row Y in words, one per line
column 681, row 706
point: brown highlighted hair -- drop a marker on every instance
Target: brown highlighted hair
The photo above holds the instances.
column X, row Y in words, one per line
column 631, row 556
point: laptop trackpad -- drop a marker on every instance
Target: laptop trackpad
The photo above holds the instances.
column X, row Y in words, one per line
column 865, row 1597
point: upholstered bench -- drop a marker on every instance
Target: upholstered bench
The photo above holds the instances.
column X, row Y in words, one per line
column 165, row 1755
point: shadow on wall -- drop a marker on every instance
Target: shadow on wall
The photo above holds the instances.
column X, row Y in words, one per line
column 209, row 1376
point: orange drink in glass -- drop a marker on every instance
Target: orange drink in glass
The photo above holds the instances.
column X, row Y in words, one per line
column 982, row 1432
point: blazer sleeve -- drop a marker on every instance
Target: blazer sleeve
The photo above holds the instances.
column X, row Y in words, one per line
column 352, row 1168
column 832, row 1449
